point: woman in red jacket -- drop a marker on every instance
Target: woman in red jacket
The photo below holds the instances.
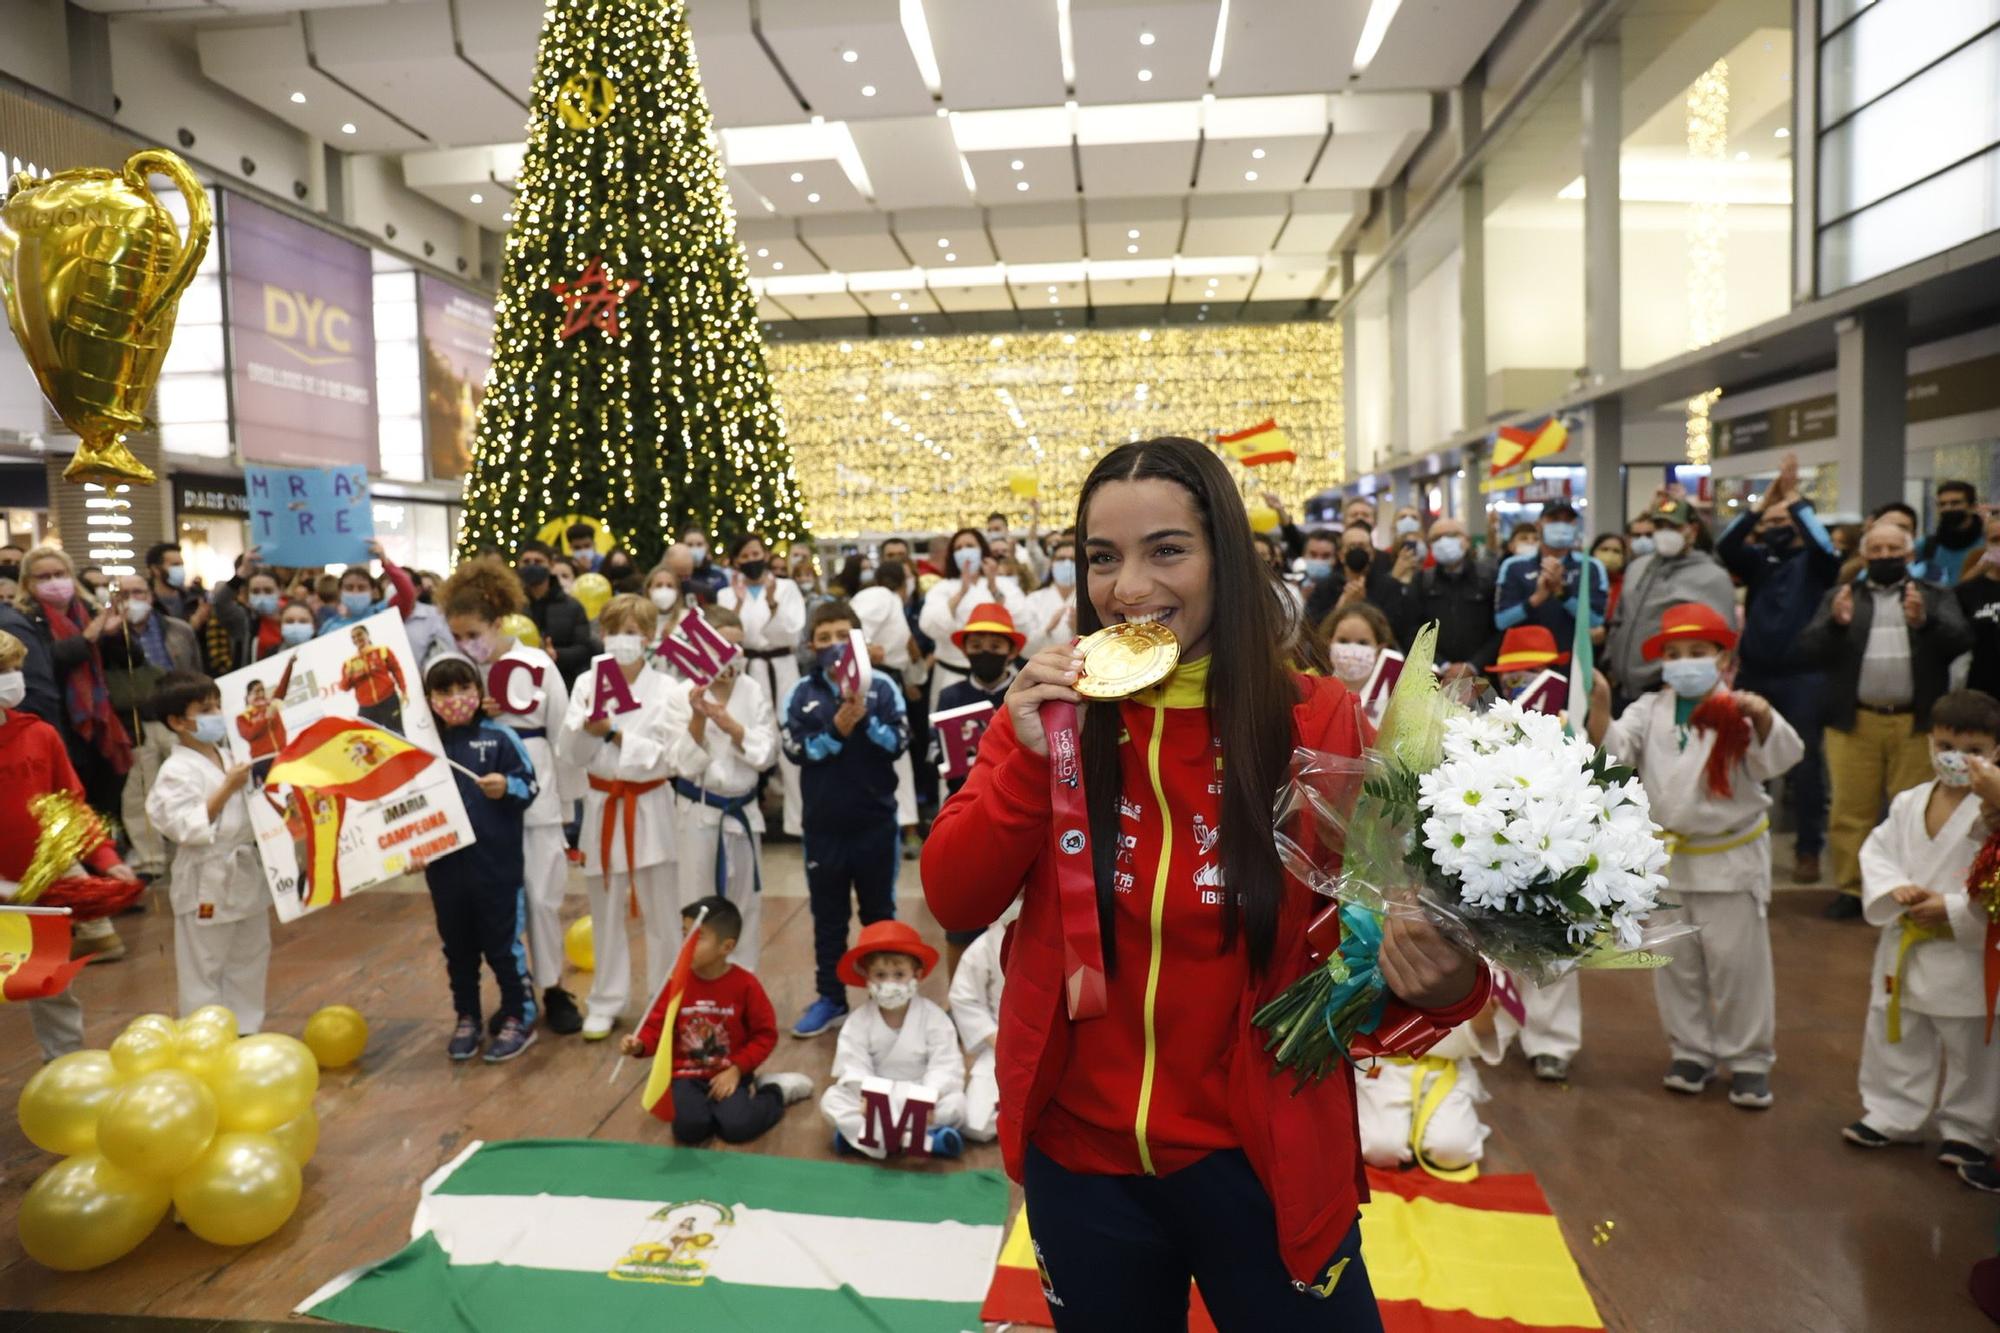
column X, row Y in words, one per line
column 1155, row 1143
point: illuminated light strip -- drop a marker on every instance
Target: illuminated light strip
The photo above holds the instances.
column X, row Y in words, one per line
column 1708, row 234
column 917, row 31
column 1221, row 32
column 1373, row 30
column 1066, row 39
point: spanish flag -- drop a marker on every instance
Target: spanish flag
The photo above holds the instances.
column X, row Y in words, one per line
column 657, row 1096
column 1260, row 444
column 34, row 955
column 346, row 757
column 1517, row 446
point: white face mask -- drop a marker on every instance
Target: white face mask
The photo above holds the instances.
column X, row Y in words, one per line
column 1353, row 661
column 1690, row 677
column 1951, row 768
column 13, row 688
column 625, row 649
column 665, row 598
column 892, row 994
column 1669, row 542
column 137, row 611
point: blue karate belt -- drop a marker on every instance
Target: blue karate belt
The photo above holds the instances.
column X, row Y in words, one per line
column 732, row 807
column 531, row 733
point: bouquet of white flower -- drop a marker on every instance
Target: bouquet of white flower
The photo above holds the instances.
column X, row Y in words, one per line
column 1514, row 838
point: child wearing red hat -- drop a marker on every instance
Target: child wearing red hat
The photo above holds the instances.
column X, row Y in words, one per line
column 897, row 1036
column 1704, row 753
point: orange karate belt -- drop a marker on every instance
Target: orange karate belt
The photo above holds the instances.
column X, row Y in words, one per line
column 621, row 806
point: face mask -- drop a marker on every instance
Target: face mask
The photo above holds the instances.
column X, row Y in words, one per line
column 1353, row 661
column 137, row 611
column 867, row 576
column 56, row 591
column 967, row 559
column 356, row 603
column 625, row 649
column 1776, row 539
column 1063, row 572
column 209, row 728
column 1357, row 559
column 294, row 633
column 1449, row 550
column 753, row 570
column 1318, row 571
column 1669, row 542
column 1690, row 677
column 455, row 709
column 1956, row 524
column 478, row 647
column 1559, row 535
column 1406, row 527
column 665, row 598
column 1951, row 768
column 532, row 577
column 264, row 603
column 585, row 559
column 617, row 572
column 1641, row 546
column 13, row 688
column 829, row 658
column 1525, row 548
column 699, row 551
column 1612, row 559
column 177, row 576
column 10, row 570
column 892, row 994
column 1888, row 571
column 986, row 666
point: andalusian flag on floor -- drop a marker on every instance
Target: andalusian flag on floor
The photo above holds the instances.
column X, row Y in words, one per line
column 546, row 1234
column 1483, row 1257
column 347, row 757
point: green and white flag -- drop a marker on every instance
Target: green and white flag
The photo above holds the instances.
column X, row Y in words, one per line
column 543, row 1234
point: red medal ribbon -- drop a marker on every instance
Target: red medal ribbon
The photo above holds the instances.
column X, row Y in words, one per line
column 1076, row 882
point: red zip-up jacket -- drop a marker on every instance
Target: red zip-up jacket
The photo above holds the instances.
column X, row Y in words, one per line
column 33, row 763
column 1174, row 1070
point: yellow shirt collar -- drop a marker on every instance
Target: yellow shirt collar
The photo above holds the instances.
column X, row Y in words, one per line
column 1187, row 687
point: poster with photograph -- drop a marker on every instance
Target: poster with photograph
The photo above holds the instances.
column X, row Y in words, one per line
column 348, row 784
column 457, row 331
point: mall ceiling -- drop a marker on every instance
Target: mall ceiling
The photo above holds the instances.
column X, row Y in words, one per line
column 895, row 158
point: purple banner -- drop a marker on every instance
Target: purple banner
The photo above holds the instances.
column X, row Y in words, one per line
column 457, row 332
column 301, row 340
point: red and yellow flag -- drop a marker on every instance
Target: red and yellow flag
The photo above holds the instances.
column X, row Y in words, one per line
column 347, row 758
column 1517, row 446
column 658, row 1094
column 1261, row 444
column 34, row 956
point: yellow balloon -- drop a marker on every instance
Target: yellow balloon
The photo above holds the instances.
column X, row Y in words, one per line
column 84, row 1212
column 138, row 1051
column 299, row 1136
column 158, row 1124
column 202, row 1047
column 60, row 1105
column 241, row 1190
column 160, row 1023
column 521, row 629
column 264, row 1081
column 336, row 1035
column 212, row 1013
column 580, row 946
column 593, row 590
column 1263, row 518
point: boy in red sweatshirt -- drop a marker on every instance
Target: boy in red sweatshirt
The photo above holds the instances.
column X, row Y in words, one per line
column 726, row 1029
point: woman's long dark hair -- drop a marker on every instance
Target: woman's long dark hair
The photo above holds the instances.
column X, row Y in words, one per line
column 1250, row 694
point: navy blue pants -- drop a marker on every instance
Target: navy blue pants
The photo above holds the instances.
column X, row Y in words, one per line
column 475, row 922
column 738, row 1118
column 857, row 866
column 1801, row 700
column 1119, row 1251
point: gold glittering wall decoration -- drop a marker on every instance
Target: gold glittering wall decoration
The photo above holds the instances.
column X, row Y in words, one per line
column 924, row 434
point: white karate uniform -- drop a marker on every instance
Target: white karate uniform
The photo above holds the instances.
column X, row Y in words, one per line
column 653, row 745
column 1043, row 606
column 1943, row 997
column 222, row 906
column 1717, row 999
column 975, row 1009
column 922, row 1051
column 772, row 624
column 1554, row 1018
column 730, row 770
column 1386, row 1095
column 884, row 623
column 544, row 852
column 939, row 620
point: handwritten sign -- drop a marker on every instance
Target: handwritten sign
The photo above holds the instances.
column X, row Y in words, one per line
column 310, row 516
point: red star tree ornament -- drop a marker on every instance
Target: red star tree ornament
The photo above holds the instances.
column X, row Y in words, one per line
column 591, row 301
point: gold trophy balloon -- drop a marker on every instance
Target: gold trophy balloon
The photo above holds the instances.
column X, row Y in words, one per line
column 92, row 269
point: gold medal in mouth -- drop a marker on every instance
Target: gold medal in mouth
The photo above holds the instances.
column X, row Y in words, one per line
column 1122, row 659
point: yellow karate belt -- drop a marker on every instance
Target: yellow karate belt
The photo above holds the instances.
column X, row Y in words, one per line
column 1435, row 1078
column 1913, row 934
column 1678, row 844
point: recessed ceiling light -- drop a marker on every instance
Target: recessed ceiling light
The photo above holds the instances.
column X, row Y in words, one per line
column 944, row 243
column 1145, row 76
column 895, row 296
column 1145, row 39
column 1055, row 300
column 1020, row 185
column 798, row 178
column 812, row 198
column 1781, row 133
column 950, row 258
column 1249, row 175
column 1257, row 153
column 850, row 56
column 478, row 198
column 1052, row 289
column 1132, row 234
column 867, row 90
column 763, row 252
column 1131, row 249
column 1743, row 157
column 903, row 306
column 1213, row 281
column 347, row 128
column 298, row 99
column 1018, row 164
column 778, row 266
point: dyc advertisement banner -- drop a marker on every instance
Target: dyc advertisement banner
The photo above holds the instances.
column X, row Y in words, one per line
column 302, row 340
column 457, row 331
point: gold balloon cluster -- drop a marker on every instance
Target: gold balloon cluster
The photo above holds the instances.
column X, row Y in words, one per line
column 182, row 1113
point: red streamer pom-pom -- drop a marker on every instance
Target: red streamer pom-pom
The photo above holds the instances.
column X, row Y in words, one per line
column 90, row 897
column 1718, row 713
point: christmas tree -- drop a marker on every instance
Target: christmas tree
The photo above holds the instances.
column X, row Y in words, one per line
column 628, row 378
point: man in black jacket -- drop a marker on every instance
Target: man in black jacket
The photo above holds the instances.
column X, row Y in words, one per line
column 1361, row 576
column 560, row 617
column 1887, row 645
column 1457, row 593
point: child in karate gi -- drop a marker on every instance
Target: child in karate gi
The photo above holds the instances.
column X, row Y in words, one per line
column 1927, row 1006
column 898, row 1036
column 1426, row 1110
column 628, row 812
column 720, row 827
column 975, row 1011
column 1704, row 753
column 222, row 907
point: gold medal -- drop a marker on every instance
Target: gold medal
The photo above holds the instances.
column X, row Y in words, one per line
column 1122, row 659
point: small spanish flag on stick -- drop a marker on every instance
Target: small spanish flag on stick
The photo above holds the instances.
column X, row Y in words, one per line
column 1261, row 444
column 1516, row 446
column 346, row 757
column 34, row 953
column 658, row 1096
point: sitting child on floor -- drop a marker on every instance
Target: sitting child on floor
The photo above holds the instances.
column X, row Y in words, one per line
column 1426, row 1110
column 975, row 1010
column 901, row 1044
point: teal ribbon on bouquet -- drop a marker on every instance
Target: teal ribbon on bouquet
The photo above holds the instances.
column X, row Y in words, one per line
column 1313, row 1021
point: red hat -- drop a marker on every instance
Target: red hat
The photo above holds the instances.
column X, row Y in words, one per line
column 989, row 618
column 1689, row 620
column 1527, row 648
column 886, row 937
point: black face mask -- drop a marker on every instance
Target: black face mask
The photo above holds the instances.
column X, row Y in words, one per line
column 1777, row 539
column 10, row 572
column 1888, row 571
column 1957, row 527
column 753, row 570
column 986, row 666
column 1357, row 559
column 533, row 577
